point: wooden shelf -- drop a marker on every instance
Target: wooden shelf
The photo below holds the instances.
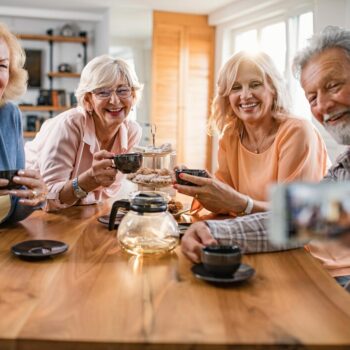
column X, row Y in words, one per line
column 29, row 134
column 57, row 38
column 43, row 108
column 63, row 75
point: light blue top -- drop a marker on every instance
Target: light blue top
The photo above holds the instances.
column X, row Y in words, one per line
column 12, row 155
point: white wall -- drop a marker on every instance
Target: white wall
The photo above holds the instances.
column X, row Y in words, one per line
column 335, row 12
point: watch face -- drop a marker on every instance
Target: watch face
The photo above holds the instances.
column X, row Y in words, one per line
column 80, row 193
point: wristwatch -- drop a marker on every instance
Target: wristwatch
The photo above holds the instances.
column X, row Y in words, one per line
column 249, row 208
column 78, row 191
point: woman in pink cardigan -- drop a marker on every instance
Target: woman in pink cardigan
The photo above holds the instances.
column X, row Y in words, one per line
column 73, row 151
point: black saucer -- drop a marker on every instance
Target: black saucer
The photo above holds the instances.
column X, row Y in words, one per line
column 243, row 273
column 104, row 219
column 38, row 249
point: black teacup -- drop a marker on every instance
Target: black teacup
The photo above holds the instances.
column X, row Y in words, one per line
column 8, row 175
column 222, row 260
column 128, row 162
column 194, row 172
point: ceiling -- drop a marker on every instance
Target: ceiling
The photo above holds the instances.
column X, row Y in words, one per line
column 128, row 18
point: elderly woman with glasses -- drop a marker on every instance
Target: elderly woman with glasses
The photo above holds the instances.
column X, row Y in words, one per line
column 74, row 150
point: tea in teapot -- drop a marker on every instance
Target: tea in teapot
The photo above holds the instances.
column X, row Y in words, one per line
column 147, row 228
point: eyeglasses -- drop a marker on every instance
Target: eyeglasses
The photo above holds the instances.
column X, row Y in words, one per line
column 104, row 94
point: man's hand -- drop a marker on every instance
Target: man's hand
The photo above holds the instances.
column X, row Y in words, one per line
column 195, row 239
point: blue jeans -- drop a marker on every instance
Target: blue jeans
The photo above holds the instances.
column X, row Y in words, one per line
column 343, row 280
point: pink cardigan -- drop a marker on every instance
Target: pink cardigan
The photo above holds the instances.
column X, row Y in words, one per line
column 64, row 148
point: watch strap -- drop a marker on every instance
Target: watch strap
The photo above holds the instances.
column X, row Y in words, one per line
column 78, row 191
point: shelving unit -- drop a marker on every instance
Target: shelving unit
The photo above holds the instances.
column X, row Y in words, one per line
column 57, row 38
column 43, row 108
column 51, row 39
column 63, row 75
column 52, row 74
column 29, row 134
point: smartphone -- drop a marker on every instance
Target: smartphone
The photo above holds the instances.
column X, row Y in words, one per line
column 194, row 172
column 303, row 211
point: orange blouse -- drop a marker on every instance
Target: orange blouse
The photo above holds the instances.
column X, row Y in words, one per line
column 297, row 153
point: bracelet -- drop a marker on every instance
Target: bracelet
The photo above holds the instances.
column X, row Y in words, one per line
column 249, row 208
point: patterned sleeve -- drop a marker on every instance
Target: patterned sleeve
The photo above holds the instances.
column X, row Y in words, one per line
column 249, row 232
column 340, row 171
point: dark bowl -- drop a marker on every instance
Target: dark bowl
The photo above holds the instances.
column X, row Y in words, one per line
column 128, row 162
column 8, row 175
column 221, row 260
column 194, row 172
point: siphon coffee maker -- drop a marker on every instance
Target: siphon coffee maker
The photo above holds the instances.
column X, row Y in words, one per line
column 147, row 228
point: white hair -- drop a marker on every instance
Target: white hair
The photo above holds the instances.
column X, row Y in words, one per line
column 105, row 71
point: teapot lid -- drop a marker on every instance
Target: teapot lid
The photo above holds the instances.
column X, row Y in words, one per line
column 148, row 202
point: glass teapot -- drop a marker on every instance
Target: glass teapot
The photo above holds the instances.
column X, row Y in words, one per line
column 147, row 228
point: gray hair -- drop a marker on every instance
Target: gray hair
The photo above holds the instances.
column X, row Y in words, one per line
column 330, row 37
column 105, row 71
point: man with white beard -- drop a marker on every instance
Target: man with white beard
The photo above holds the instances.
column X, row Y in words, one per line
column 323, row 68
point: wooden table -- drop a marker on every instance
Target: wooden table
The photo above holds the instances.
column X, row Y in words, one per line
column 97, row 297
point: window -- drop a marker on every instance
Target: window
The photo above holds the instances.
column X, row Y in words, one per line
column 281, row 40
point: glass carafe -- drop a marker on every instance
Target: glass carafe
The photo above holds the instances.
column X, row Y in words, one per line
column 147, row 228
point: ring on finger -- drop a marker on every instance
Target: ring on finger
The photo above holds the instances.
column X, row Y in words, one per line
column 35, row 193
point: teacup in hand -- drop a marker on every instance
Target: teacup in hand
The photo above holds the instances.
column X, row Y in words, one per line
column 8, row 175
column 128, row 162
column 222, row 260
column 193, row 172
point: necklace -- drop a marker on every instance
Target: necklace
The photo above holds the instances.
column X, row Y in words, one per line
column 257, row 147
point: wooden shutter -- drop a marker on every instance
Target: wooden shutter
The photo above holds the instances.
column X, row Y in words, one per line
column 182, row 84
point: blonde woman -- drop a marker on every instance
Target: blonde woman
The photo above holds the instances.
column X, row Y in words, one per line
column 73, row 151
column 15, row 205
column 260, row 143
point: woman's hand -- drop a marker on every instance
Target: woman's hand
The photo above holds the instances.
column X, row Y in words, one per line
column 35, row 191
column 195, row 239
column 213, row 194
column 4, row 183
column 102, row 170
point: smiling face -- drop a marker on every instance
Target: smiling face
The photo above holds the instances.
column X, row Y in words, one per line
column 251, row 97
column 4, row 66
column 111, row 110
column 326, row 82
